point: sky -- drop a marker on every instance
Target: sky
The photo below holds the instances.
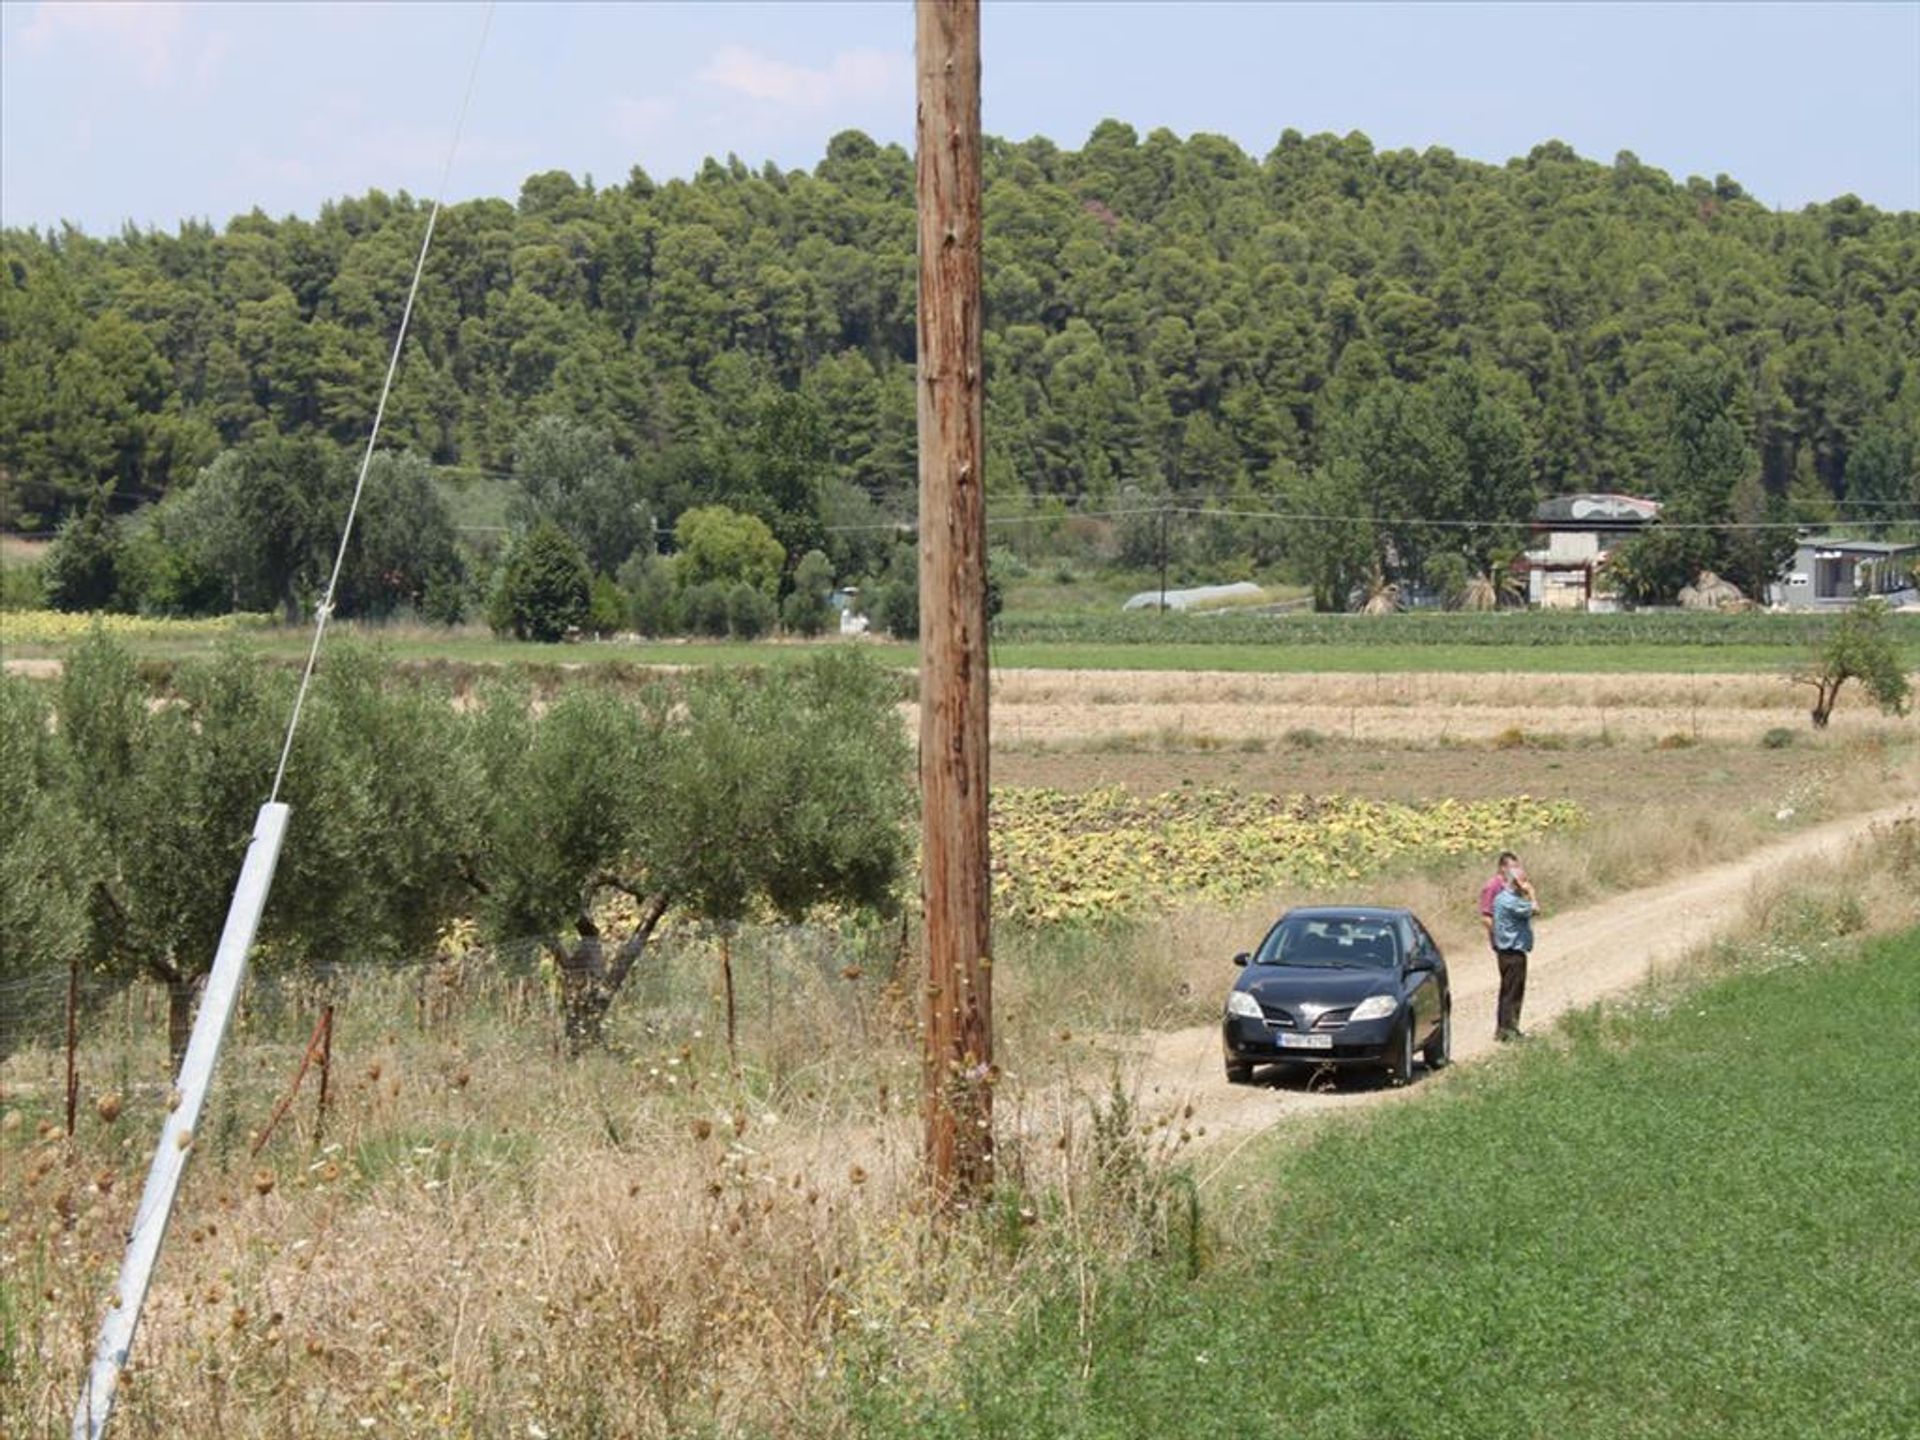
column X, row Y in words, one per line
column 156, row 112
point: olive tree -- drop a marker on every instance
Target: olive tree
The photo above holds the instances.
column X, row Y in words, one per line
column 719, row 798
column 172, row 784
column 1857, row 647
column 43, row 851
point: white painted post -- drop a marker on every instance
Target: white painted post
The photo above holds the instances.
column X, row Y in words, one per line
column 176, row 1136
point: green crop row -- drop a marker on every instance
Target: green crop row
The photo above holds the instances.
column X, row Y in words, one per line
column 1501, row 628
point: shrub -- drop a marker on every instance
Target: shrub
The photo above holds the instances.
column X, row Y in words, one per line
column 20, row 587
column 750, row 613
column 606, row 607
column 1007, row 563
column 653, row 600
column 1778, row 738
column 896, row 600
column 1447, row 575
column 897, row 609
column 82, row 568
column 722, row 545
column 443, row 599
column 703, row 609
column 546, row 589
column 806, row 611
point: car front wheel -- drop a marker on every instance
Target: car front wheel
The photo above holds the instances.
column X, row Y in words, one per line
column 1439, row 1050
column 1239, row 1074
column 1400, row 1058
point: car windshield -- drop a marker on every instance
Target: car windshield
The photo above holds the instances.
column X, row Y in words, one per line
column 1345, row 941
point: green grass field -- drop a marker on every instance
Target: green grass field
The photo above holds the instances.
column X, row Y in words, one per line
column 1695, row 1219
column 1405, row 659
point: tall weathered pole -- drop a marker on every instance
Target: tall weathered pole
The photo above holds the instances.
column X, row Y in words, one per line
column 953, row 608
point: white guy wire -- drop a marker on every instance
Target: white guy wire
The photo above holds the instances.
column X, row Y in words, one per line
column 325, row 611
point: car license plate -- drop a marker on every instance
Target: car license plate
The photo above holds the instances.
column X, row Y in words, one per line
column 1305, row 1042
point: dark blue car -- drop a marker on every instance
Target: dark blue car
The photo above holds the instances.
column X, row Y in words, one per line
column 1340, row 985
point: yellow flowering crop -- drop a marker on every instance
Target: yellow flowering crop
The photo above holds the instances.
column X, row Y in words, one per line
column 1101, row 853
column 60, row 627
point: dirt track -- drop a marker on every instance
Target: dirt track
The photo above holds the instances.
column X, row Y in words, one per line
column 1580, row 957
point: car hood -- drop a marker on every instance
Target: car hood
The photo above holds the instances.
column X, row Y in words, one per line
column 1291, row 986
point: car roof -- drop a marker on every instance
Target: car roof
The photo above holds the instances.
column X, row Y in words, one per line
column 1348, row 912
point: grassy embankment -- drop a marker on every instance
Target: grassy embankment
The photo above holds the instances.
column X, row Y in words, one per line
column 1692, row 1216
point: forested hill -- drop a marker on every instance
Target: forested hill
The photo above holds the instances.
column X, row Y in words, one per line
column 1162, row 314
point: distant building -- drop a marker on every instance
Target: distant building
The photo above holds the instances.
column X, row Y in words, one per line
column 1579, row 532
column 1832, row 572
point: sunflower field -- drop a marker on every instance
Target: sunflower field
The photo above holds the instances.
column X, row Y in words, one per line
column 62, row 627
column 1100, row 854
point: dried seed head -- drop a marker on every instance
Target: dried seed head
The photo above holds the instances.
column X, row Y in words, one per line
column 263, row 1182
column 702, row 1128
column 107, row 1107
column 857, row 1175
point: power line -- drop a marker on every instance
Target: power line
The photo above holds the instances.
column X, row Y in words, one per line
column 325, row 609
column 1357, row 518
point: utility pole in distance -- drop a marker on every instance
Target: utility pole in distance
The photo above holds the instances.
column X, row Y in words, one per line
column 958, row 1065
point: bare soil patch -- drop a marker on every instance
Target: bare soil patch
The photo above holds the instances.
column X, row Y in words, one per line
column 1600, row 778
column 1082, row 707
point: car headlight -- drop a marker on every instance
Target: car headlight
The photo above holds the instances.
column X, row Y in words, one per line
column 1241, row 1002
column 1374, row 1007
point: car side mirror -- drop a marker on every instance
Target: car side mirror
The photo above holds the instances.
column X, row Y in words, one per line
column 1422, row 960
column 1241, row 959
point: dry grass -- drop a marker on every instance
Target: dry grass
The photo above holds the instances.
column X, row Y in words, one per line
column 490, row 1238
column 1139, row 709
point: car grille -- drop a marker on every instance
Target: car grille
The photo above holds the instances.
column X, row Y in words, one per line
column 1326, row 1020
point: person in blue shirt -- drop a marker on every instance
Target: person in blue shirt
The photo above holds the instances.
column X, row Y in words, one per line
column 1513, row 912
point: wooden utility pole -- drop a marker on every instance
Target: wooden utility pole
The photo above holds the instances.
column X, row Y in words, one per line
column 954, row 887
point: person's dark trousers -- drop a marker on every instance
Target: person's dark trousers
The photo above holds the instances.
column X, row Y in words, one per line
column 1513, row 990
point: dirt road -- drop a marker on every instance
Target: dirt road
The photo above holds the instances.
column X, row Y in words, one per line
column 1580, row 957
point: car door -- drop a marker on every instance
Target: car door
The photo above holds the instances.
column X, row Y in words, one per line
column 1428, row 997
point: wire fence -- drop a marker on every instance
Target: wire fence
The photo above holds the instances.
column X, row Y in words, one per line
column 69, row 1036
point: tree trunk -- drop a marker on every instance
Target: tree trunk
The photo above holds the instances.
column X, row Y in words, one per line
column 584, row 997
column 1829, row 692
column 589, row 982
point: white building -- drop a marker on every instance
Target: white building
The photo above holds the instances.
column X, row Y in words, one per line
column 1833, row 572
column 1580, row 531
